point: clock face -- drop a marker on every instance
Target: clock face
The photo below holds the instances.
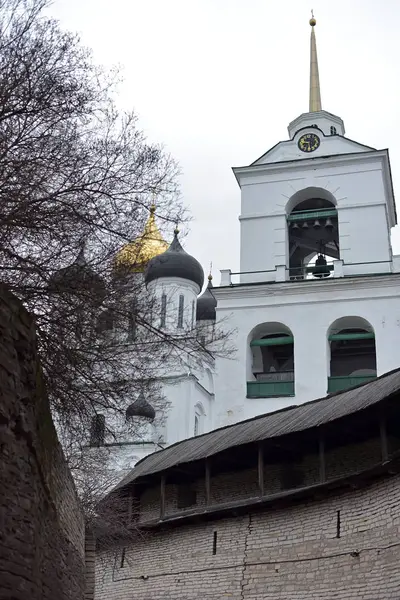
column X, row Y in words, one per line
column 309, row 142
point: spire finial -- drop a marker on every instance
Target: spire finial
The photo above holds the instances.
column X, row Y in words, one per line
column 315, row 91
column 210, row 273
column 176, row 230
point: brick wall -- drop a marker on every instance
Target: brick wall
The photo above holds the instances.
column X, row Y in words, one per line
column 290, row 553
column 41, row 526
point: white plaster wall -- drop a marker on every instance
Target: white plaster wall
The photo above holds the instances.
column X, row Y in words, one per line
column 185, row 395
column 359, row 188
column 308, row 309
column 323, row 119
column 173, row 287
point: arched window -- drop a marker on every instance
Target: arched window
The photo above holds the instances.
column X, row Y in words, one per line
column 272, row 361
column 333, row 130
column 352, row 353
column 163, row 310
column 193, row 312
column 313, row 234
column 97, row 430
column 132, row 317
column 199, row 415
column 180, row 311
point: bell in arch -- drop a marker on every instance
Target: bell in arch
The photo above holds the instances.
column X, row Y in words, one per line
column 329, row 224
column 295, row 226
column 321, row 268
column 305, row 225
column 317, row 224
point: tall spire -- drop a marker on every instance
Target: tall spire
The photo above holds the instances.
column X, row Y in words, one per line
column 315, row 90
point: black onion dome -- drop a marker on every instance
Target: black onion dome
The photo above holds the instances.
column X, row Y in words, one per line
column 78, row 277
column 175, row 262
column 206, row 304
column 140, row 408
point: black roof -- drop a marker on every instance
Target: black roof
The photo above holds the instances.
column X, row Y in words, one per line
column 283, row 422
column 206, row 304
column 175, row 262
column 140, row 408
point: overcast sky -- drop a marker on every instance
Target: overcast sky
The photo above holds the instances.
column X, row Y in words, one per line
column 218, row 81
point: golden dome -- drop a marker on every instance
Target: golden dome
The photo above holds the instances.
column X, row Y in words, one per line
column 313, row 22
column 135, row 255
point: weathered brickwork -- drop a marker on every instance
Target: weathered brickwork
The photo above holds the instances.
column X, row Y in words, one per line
column 292, row 553
column 41, row 525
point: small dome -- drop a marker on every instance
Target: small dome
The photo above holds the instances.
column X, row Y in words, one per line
column 175, row 262
column 134, row 256
column 140, row 408
column 78, row 277
column 206, row 304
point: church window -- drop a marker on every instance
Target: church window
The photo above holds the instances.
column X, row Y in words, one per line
column 97, row 430
column 333, row 130
column 193, row 311
column 163, row 310
column 272, row 361
column 132, row 321
column 186, row 496
column 180, row 311
column 198, row 419
column 352, row 353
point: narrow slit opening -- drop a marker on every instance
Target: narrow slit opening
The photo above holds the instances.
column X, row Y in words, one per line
column 338, row 524
column 215, row 543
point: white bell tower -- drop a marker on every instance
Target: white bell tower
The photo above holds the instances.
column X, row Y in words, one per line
column 316, row 305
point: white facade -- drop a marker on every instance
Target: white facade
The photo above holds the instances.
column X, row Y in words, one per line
column 363, row 288
column 298, row 335
column 357, row 183
column 363, row 285
column 309, row 309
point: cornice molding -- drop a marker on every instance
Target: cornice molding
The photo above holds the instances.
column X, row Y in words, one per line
column 315, row 162
column 311, row 289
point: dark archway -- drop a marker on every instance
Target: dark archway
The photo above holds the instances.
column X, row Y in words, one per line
column 312, row 229
column 352, row 353
column 272, row 361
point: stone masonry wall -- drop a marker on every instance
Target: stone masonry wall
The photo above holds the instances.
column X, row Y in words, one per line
column 288, row 553
column 41, row 525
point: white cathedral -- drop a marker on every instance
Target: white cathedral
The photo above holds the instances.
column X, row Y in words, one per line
column 315, row 308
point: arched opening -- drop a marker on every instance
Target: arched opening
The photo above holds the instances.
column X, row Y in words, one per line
column 210, row 381
column 272, row 361
column 352, row 353
column 313, row 234
column 199, row 415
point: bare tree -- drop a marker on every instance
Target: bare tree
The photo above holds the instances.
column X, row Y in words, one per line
column 75, row 172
